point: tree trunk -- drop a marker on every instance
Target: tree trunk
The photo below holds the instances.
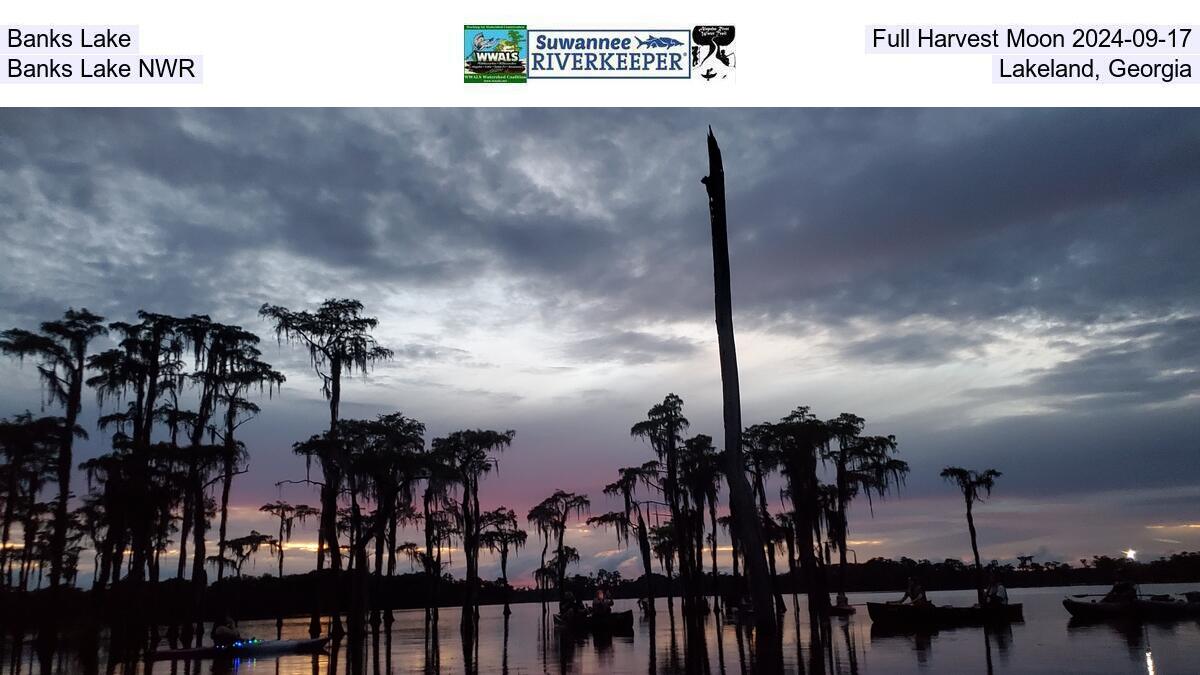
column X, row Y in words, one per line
column 470, row 537
column 391, row 557
column 226, row 485
column 142, row 535
column 199, row 529
column 793, row 572
column 843, row 499
column 185, row 531
column 741, row 501
column 380, row 521
column 391, row 550
column 280, row 543
column 9, row 517
column 542, row 582
column 647, row 561
column 504, row 578
column 716, row 577
column 329, row 497
column 332, row 473
column 735, row 555
column 975, row 550
column 560, row 573
column 804, row 483
column 196, row 480
column 58, row 539
column 359, row 578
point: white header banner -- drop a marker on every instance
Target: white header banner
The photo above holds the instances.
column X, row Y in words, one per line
column 542, row 53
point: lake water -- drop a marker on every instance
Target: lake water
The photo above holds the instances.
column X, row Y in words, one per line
column 1047, row 642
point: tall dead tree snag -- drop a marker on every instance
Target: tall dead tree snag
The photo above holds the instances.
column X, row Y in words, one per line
column 741, row 502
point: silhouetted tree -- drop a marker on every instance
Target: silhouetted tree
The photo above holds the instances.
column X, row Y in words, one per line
column 147, row 356
column 741, row 501
column 862, row 465
column 212, row 346
column 501, row 535
column 287, row 515
column 439, row 523
column 663, row 428
column 243, row 548
column 700, row 466
column 241, row 371
column 29, row 447
column 762, row 456
column 632, row 516
column 338, row 340
column 469, row 454
column 975, row 486
column 383, row 461
column 666, row 548
column 61, row 348
column 797, row 441
column 550, row 517
column 564, row 557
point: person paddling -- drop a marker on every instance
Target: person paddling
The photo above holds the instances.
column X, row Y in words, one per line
column 1122, row 591
column 601, row 604
column 224, row 633
column 571, row 607
column 914, row 594
column 996, row 594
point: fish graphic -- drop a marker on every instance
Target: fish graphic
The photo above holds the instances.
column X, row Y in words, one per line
column 664, row 42
column 484, row 44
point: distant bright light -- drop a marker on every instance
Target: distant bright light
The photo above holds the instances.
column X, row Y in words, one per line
column 1130, row 554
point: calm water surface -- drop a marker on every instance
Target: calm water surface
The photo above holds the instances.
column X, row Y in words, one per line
column 1047, row 642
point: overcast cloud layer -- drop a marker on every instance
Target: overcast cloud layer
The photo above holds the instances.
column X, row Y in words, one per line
column 1010, row 289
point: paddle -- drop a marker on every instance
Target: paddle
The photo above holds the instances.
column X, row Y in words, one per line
column 1101, row 595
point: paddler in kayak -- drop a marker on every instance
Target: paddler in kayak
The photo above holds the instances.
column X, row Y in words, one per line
column 225, row 633
column 914, row 594
column 601, row 604
column 996, row 594
column 1122, row 591
column 571, row 607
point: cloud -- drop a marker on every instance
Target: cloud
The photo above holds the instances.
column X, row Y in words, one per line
column 1148, row 363
column 415, row 352
column 631, row 348
column 901, row 346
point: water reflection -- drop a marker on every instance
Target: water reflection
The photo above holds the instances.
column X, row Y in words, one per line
column 1134, row 635
column 851, row 652
column 526, row 641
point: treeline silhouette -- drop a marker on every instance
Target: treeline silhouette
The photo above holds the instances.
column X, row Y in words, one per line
column 268, row 596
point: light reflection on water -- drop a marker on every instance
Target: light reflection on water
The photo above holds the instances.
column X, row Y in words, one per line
column 1045, row 643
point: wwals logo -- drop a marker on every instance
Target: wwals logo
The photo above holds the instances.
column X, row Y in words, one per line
column 495, row 53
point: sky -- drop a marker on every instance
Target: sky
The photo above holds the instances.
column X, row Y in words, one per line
column 1009, row 289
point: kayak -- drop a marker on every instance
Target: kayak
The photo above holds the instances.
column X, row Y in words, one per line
column 1137, row 610
column 942, row 616
column 244, row 649
column 614, row 622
